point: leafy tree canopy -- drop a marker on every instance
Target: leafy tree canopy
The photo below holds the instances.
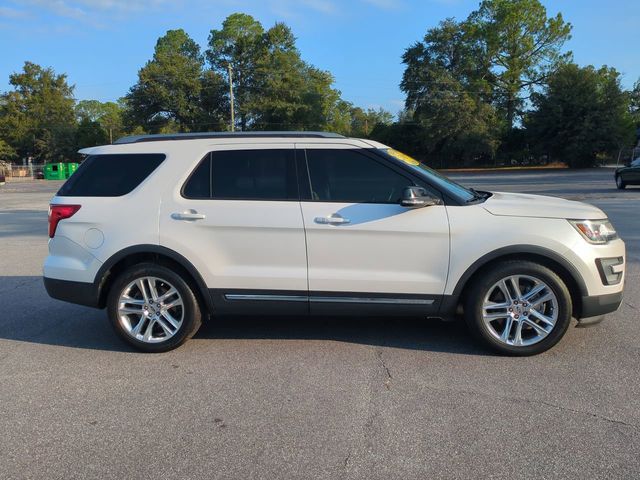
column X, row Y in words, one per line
column 581, row 116
column 634, row 104
column 37, row 117
column 7, row 152
column 107, row 116
column 274, row 88
column 169, row 86
column 521, row 47
column 448, row 95
column 467, row 81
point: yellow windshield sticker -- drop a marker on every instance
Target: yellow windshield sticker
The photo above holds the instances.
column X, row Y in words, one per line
column 403, row 156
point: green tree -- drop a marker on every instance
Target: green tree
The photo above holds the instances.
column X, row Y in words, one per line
column 90, row 134
column 634, row 103
column 274, row 88
column 89, row 109
column 169, row 86
column 364, row 121
column 281, row 83
column 107, row 115
column 37, row 117
column 582, row 116
column 240, row 45
column 111, row 120
column 406, row 136
column 467, row 82
column 214, row 102
column 449, row 97
column 521, row 46
column 7, row 152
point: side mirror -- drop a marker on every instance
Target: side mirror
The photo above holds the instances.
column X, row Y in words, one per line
column 417, row 197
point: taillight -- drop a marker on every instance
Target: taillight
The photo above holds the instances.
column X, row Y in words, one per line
column 60, row 212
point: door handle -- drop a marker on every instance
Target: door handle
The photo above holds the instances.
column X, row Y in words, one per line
column 333, row 219
column 189, row 215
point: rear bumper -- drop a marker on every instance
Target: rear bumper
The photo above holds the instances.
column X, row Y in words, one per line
column 598, row 305
column 80, row 293
column 67, row 259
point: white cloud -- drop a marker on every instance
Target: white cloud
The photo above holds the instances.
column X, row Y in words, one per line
column 62, row 8
column 322, row 6
column 291, row 9
column 94, row 11
column 8, row 12
column 121, row 5
column 83, row 9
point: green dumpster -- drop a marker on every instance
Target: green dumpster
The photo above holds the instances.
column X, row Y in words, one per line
column 70, row 168
column 55, row 171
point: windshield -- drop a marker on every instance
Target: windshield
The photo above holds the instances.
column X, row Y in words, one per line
column 438, row 179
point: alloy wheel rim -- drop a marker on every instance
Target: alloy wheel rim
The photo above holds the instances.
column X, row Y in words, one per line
column 150, row 309
column 520, row 310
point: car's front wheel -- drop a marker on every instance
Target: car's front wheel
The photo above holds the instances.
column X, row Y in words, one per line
column 153, row 308
column 518, row 308
column 620, row 183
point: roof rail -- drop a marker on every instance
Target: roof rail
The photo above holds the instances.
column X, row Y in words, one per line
column 204, row 135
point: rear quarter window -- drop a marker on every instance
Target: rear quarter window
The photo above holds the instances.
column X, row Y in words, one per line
column 110, row 175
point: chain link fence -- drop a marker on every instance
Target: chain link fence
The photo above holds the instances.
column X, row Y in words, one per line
column 31, row 171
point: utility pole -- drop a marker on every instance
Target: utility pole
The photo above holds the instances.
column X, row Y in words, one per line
column 233, row 115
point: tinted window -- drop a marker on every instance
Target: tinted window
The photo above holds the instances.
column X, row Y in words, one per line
column 110, row 175
column 254, row 175
column 351, row 177
column 199, row 183
column 244, row 175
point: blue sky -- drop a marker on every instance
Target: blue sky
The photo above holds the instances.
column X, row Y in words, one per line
column 101, row 44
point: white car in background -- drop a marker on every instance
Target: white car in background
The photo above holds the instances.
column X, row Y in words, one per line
column 163, row 230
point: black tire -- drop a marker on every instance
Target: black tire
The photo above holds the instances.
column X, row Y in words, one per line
column 192, row 317
column 479, row 289
column 620, row 183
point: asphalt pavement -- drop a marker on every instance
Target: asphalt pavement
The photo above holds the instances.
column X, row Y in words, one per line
column 276, row 398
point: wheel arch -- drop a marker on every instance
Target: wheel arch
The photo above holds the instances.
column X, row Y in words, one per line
column 134, row 255
column 544, row 256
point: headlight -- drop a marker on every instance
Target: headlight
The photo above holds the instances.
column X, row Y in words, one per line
column 595, row 231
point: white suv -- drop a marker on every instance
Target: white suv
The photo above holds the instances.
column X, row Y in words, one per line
column 164, row 230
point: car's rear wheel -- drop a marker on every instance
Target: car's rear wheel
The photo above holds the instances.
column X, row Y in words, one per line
column 518, row 308
column 620, row 183
column 153, row 308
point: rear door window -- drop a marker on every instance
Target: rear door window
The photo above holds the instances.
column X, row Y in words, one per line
column 110, row 175
column 268, row 175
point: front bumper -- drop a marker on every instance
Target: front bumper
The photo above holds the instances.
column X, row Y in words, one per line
column 598, row 305
column 80, row 293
